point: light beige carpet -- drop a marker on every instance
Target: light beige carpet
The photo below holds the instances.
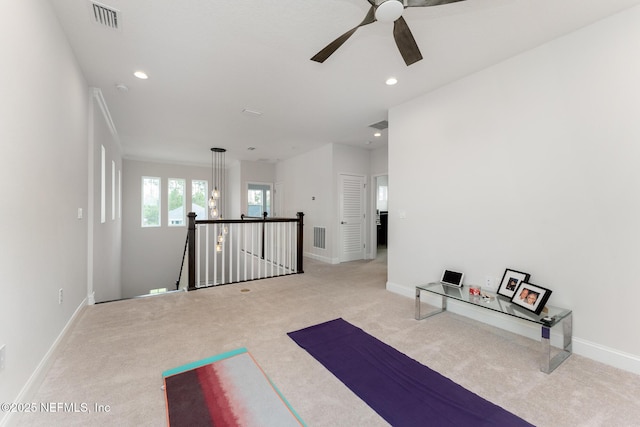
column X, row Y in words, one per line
column 115, row 353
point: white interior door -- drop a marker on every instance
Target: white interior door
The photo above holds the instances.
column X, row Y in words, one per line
column 351, row 217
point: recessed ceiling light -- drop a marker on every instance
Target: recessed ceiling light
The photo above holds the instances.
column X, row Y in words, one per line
column 377, row 134
column 391, row 81
column 122, row 88
column 141, row 75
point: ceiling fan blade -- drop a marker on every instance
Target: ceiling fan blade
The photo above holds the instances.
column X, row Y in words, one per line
column 423, row 3
column 406, row 43
column 334, row 45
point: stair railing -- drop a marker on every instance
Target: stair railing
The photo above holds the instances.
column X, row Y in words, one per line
column 251, row 248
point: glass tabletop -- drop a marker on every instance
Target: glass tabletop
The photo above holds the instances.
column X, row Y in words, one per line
column 499, row 303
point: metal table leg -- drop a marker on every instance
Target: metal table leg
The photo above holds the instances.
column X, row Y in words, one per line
column 548, row 363
column 432, row 313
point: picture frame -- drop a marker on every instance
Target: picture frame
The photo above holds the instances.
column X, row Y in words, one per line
column 510, row 282
column 531, row 297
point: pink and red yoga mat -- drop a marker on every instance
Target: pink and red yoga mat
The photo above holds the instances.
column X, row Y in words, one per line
column 229, row 389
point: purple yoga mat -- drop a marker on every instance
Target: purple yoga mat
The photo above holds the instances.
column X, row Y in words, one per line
column 403, row 391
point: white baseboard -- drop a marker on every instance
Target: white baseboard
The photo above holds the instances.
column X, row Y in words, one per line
column 38, row 375
column 321, row 258
column 609, row 356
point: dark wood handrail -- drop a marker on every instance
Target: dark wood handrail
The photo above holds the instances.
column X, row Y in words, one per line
column 242, row 221
column 191, row 238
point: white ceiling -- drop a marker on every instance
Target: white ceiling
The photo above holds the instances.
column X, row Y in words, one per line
column 207, row 60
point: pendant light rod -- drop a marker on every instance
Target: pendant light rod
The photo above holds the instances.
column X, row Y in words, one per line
column 216, row 202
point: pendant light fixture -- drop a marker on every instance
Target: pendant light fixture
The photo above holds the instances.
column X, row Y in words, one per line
column 216, row 201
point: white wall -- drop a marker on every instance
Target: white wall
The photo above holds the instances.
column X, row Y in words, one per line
column 310, row 185
column 105, row 268
column 151, row 256
column 234, row 201
column 307, row 182
column 380, row 161
column 531, row 164
column 44, row 113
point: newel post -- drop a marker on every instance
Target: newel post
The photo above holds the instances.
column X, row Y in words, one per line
column 264, row 220
column 192, row 250
column 300, row 216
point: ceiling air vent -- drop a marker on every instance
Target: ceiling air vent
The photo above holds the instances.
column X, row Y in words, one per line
column 105, row 15
column 380, row 125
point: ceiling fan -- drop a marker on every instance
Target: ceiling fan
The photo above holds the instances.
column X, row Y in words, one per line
column 387, row 11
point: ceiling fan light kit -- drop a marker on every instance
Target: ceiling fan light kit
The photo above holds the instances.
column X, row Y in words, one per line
column 387, row 11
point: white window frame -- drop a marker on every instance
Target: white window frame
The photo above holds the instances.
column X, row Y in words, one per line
column 119, row 194
column 113, row 190
column 103, row 185
column 184, row 202
column 159, row 202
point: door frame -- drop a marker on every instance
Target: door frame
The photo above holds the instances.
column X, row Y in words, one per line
column 373, row 230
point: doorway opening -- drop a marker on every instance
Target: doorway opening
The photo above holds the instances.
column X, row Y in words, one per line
column 382, row 210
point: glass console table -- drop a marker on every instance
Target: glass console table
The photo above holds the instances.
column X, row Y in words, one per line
column 502, row 305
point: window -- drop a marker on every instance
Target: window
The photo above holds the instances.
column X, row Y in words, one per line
column 382, row 193
column 259, row 199
column 175, row 196
column 113, row 190
column 119, row 193
column 199, row 192
column 103, row 185
column 150, row 202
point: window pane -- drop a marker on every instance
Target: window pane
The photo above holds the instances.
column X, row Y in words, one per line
column 150, row 202
column 199, row 194
column 113, row 190
column 254, row 203
column 103, row 185
column 259, row 199
column 176, row 193
column 382, row 193
column 255, row 197
column 119, row 193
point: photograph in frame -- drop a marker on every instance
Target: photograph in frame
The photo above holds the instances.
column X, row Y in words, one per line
column 510, row 282
column 531, row 297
